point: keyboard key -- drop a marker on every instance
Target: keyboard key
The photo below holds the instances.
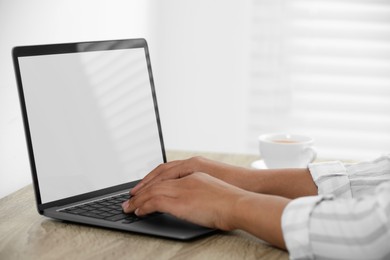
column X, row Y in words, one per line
column 117, row 217
column 106, row 214
column 96, row 211
column 94, row 205
column 75, row 211
column 92, row 215
column 116, row 211
column 105, row 203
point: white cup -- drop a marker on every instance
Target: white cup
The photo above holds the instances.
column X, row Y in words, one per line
column 286, row 150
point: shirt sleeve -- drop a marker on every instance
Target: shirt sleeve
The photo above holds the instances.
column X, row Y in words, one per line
column 349, row 219
column 350, row 180
column 331, row 178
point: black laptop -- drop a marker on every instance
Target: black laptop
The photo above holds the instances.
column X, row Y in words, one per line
column 93, row 131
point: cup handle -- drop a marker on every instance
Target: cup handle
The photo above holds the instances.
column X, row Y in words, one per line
column 312, row 152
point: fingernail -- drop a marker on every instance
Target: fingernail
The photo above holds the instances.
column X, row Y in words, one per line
column 125, row 204
column 136, row 212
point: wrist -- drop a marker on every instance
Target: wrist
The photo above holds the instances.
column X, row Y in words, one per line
column 241, row 204
column 239, row 211
column 260, row 215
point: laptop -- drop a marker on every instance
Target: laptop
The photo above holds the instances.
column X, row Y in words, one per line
column 93, row 132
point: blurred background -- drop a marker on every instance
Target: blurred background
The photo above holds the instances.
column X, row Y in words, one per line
column 226, row 71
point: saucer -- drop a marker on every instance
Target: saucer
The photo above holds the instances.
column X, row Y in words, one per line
column 259, row 164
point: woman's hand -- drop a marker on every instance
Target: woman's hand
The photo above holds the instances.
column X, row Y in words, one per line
column 234, row 175
column 198, row 198
column 204, row 200
column 221, row 196
column 171, row 170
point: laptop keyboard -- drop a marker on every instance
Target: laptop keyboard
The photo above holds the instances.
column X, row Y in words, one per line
column 108, row 209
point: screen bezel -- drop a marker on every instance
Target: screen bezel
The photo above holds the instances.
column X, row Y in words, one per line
column 52, row 49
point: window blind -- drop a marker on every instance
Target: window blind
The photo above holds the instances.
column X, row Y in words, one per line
column 322, row 68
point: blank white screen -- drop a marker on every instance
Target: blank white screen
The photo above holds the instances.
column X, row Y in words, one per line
column 92, row 120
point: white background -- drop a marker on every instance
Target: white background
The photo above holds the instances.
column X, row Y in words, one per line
column 227, row 70
column 196, row 58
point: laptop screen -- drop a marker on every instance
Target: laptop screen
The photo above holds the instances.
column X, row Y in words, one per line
column 92, row 120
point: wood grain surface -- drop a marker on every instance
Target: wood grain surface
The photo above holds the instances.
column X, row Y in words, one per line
column 24, row 234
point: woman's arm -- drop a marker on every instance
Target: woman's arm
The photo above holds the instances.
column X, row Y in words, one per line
column 289, row 183
column 318, row 226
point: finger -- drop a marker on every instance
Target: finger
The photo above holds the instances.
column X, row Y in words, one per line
column 153, row 174
column 166, row 188
column 156, row 204
column 128, row 206
column 173, row 171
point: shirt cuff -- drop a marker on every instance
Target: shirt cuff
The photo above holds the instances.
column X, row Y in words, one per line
column 296, row 223
column 331, row 178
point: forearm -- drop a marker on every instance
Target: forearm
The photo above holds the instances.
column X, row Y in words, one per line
column 235, row 175
column 289, row 183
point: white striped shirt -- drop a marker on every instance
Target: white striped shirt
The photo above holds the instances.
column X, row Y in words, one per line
column 349, row 219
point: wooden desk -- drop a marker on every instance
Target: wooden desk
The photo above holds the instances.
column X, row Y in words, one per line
column 24, row 234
